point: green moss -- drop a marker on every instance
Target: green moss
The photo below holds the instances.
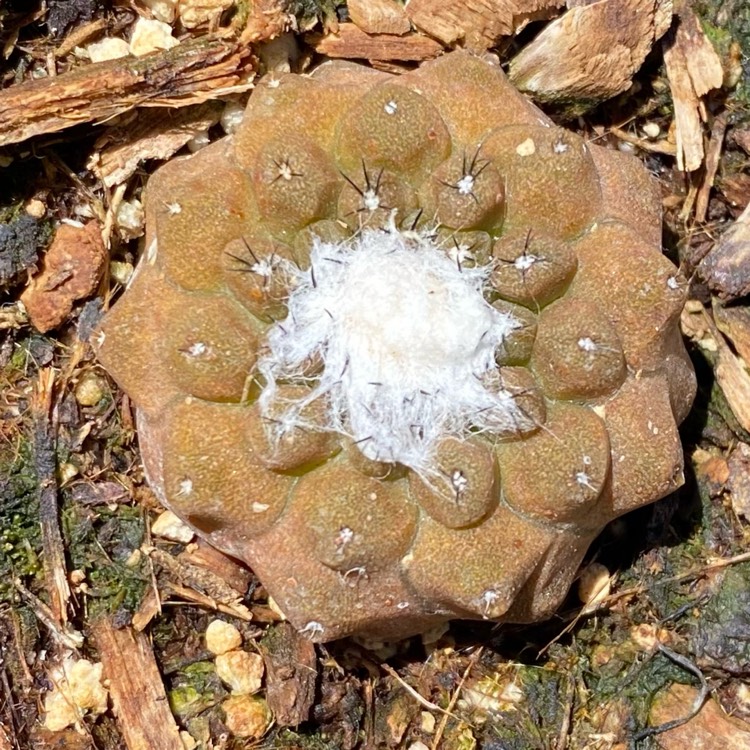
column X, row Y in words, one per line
column 20, row 535
column 101, row 542
column 196, row 689
column 534, row 723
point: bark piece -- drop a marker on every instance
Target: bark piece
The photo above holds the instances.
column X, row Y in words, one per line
column 738, row 483
column 711, row 729
column 195, row 71
column 290, row 674
column 71, row 269
column 135, row 687
column 726, row 269
column 477, row 24
column 351, row 42
column 693, row 69
column 379, row 16
column 591, row 52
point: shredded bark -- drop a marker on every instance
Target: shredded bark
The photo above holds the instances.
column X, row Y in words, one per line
column 693, row 69
column 193, row 72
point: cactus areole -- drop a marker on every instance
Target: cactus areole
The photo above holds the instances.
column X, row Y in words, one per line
column 403, row 346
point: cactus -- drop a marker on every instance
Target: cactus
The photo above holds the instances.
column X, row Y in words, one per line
column 404, row 346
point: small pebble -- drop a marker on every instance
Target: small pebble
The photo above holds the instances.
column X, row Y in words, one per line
column 120, row 271
column 241, row 671
column 652, row 129
column 427, row 722
column 110, row 48
column 130, row 219
column 90, row 389
column 195, row 12
column 246, row 716
column 221, row 637
column 162, row 10
column 77, row 690
column 35, row 208
column 149, row 36
column 168, row 526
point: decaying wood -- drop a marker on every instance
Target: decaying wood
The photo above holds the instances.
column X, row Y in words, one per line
column 591, row 52
column 45, row 464
column 290, row 674
column 135, row 687
column 693, row 69
column 477, row 24
column 193, row 72
column 153, row 134
column 726, row 269
column 351, row 42
column 379, row 16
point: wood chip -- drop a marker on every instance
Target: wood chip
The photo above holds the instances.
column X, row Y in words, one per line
column 351, row 42
column 711, row 729
column 70, row 271
column 693, row 69
column 478, row 24
column 726, row 269
column 379, row 16
column 195, row 71
column 291, row 672
column 591, row 52
column 135, row 687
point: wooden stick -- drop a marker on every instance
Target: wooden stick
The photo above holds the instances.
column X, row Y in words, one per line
column 45, row 464
column 193, row 72
column 136, row 689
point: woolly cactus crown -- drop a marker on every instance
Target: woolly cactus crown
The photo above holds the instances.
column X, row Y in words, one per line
column 404, row 346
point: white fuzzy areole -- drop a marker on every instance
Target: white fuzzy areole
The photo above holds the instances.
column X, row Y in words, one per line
column 407, row 342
